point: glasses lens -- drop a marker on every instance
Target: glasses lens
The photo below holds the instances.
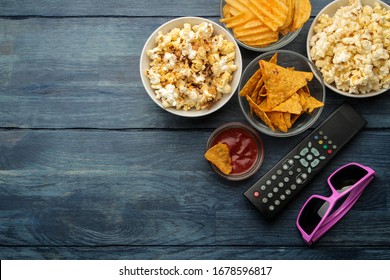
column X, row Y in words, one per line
column 312, row 214
column 347, row 177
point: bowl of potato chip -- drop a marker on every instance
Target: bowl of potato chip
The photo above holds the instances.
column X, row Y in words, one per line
column 190, row 66
column 260, row 26
column 349, row 43
column 279, row 94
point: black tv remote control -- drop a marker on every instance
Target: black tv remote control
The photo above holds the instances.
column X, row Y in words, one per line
column 291, row 174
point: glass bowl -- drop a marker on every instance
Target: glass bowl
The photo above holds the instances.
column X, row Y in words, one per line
column 316, row 86
column 246, row 149
column 283, row 39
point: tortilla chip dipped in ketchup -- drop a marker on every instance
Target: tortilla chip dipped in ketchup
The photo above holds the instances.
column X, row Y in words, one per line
column 245, row 150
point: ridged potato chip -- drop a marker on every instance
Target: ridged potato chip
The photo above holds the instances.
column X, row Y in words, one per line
column 259, row 23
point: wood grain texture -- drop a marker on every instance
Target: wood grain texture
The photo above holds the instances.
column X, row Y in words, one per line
column 91, row 168
column 84, row 73
column 87, row 188
column 147, row 8
column 196, row 253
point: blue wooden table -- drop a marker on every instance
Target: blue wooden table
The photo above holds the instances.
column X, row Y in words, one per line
column 91, row 168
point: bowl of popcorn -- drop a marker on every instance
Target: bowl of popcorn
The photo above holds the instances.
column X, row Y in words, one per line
column 349, row 42
column 190, row 66
column 259, row 26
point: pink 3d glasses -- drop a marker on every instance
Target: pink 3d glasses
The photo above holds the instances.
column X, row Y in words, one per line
column 320, row 213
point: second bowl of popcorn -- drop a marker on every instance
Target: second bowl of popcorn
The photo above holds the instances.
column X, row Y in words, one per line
column 190, row 66
column 349, row 42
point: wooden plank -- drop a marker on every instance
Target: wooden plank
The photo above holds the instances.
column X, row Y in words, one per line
column 90, row 188
column 118, row 8
column 194, row 253
column 83, row 72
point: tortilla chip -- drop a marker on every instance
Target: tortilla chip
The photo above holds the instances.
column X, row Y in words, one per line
column 287, row 120
column 251, row 83
column 280, row 82
column 312, row 104
column 292, row 105
column 260, row 113
column 277, row 120
column 219, row 155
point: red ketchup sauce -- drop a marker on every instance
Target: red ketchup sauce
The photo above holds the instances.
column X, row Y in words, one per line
column 243, row 148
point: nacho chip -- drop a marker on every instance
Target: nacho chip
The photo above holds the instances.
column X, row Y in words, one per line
column 260, row 113
column 251, row 84
column 287, row 120
column 280, row 82
column 219, row 155
column 277, row 120
column 292, row 105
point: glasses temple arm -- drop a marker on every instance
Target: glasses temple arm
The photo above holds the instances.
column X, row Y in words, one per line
column 336, row 216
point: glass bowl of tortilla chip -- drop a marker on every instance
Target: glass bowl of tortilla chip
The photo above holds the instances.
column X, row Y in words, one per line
column 235, row 151
column 279, row 94
column 259, row 26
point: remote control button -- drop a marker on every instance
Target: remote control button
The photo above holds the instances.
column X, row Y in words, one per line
column 316, row 137
column 290, row 173
column 288, row 192
column 268, row 182
column 304, row 176
column 309, row 157
column 290, row 161
column 325, row 147
column 329, row 152
column 282, row 197
column 299, row 170
column 256, row 194
column 293, row 187
column 320, row 132
column 325, row 137
column 299, row 180
column 334, row 147
column 320, row 142
column 303, row 152
column 273, row 177
column 270, row 195
column 304, row 162
column 281, row 185
column 315, row 152
column 314, row 163
column 330, row 142
column 286, row 179
column 285, row 167
column 279, row 172
column 264, row 200
column 275, row 190
column 263, row 188
column 271, row 208
column 277, row 202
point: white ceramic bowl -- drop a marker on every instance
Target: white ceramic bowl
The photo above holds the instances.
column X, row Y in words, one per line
column 331, row 9
column 165, row 28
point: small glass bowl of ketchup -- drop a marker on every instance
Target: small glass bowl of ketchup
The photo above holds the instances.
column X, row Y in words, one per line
column 246, row 149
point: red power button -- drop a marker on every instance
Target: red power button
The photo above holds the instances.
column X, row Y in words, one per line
column 256, row 194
